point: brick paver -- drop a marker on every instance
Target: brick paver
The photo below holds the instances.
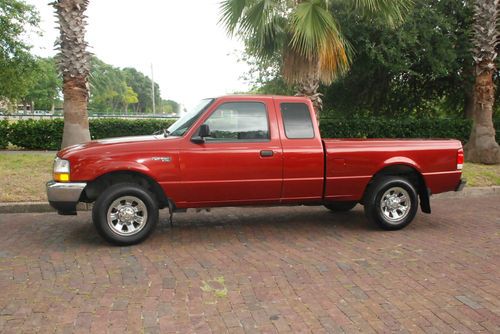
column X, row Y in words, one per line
column 256, row 270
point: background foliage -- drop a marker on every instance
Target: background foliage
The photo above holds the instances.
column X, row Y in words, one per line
column 422, row 68
column 4, row 133
column 112, row 90
column 46, row 134
column 16, row 63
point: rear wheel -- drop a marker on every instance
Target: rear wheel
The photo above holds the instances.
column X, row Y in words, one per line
column 391, row 202
column 340, row 206
column 125, row 214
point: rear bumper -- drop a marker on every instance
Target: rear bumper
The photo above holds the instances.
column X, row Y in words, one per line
column 65, row 196
column 461, row 185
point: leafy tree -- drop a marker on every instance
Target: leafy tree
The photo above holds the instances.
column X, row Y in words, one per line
column 130, row 97
column 482, row 146
column 170, row 107
column 304, row 34
column 115, row 89
column 16, row 63
column 107, row 86
column 74, row 64
column 265, row 76
column 46, row 85
column 141, row 84
column 424, row 67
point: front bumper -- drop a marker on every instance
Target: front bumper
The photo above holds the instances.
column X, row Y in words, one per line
column 461, row 185
column 65, row 196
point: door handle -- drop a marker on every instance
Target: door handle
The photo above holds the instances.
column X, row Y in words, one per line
column 266, row 153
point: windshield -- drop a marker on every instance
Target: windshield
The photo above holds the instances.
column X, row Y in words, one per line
column 183, row 124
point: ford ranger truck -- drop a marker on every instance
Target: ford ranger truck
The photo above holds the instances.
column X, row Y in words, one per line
column 249, row 150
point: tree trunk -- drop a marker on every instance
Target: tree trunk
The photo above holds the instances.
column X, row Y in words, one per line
column 308, row 87
column 482, row 146
column 76, row 123
column 74, row 64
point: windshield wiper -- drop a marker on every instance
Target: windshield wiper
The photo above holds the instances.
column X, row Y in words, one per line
column 165, row 133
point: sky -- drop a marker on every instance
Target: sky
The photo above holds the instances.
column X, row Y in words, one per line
column 191, row 54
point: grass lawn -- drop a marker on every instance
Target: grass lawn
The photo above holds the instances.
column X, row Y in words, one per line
column 481, row 175
column 23, row 176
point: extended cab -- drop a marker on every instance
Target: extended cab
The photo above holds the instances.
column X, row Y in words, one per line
column 249, row 150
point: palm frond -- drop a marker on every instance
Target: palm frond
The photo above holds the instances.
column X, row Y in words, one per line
column 317, row 39
column 230, row 14
column 261, row 23
column 392, row 11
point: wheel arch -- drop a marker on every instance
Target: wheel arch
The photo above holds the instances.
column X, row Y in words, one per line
column 412, row 173
column 97, row 186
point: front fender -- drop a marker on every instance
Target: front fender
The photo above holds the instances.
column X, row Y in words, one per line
column 90, row 168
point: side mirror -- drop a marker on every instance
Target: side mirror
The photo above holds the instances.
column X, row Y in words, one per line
column 202, row 133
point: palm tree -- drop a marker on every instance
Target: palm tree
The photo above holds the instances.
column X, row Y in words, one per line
column 74, row 64
column 482, row 146
column 304, row 34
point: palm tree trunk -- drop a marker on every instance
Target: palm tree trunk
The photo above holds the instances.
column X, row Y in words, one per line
column 308, row 87
column 482, row 146
column 76, row 123
column 74, row 64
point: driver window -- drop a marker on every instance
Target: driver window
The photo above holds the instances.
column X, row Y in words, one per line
column 239, row 121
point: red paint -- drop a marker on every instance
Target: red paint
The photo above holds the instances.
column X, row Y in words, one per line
column 220, row 174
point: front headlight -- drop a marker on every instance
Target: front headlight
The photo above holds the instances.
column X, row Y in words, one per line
column 61, row 170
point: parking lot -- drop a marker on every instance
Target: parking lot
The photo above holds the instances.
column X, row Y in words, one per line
column 262, row 270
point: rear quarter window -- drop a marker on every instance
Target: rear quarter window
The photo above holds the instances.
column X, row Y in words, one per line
column 297, row 121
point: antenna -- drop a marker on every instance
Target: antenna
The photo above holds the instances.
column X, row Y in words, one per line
column 153, row 89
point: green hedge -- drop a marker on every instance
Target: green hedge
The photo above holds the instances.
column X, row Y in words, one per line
column 397, row 128
column 4, row 134
column 37, row 134
column 108, row 128
column 47, row 134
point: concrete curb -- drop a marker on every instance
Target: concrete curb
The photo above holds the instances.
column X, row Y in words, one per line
column 35, row 207
column 469, row 192
column 40, row 207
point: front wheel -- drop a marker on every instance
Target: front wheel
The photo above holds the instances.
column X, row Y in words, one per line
column 391, row 202
column 125, row 214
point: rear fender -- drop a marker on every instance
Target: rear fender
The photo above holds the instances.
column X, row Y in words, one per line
column 405, row 166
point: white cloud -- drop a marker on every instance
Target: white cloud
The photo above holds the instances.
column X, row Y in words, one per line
column 191, row 54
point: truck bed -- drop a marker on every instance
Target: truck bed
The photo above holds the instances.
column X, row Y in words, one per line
column 352, row 163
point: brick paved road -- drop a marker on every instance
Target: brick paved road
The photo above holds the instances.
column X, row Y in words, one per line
column 256, row 270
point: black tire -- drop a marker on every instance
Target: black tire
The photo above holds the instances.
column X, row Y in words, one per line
column 340, row 206
column 127, row 191
column 380, row 213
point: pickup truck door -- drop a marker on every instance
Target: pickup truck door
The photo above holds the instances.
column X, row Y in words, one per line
column 240, row 162
column 303, row 153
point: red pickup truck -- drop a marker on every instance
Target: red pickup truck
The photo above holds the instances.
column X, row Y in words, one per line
column 249, row 150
